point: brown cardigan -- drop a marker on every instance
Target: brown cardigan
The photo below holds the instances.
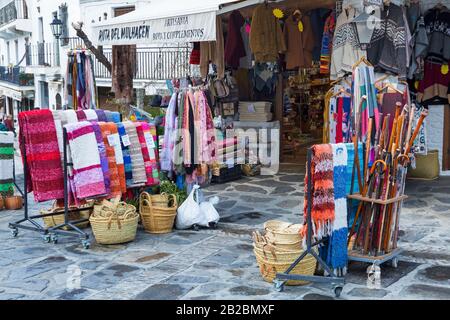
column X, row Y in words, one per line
column 266, row 37
column 299, row 44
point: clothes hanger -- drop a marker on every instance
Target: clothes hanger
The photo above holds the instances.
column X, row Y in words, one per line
column 390, row 86
column 364, row 60
column 341, row 91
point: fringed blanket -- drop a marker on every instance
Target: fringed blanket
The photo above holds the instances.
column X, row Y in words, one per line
column 102, row 154
column 114, row 141
column 337, row 246
column 39, row 140
column 322, row 206
column 145, row 154
column 6, row 164
column 124, row 141
column 148, row 152
column 87, row 177
column 116, row 189
column 137, row 159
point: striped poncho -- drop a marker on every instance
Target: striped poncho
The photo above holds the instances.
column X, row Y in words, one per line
column 6, row 164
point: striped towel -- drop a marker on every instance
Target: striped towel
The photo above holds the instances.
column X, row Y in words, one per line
column 153, row 152
column 116, row 189
column 81, row 115
column 91, row 115
column 337, row 247
column 87, row 177
column 126, row 155
column 39, row 140
column 137, row 159
column 112, row 116
column 6, row 164
column 145, row 154
column 103, row 156
column 114, row 141
column 101, row 116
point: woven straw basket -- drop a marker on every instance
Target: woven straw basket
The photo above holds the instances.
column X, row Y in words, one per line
column 155, row 217
column 52, row 221
column 282, row 232
column 114, row 223
column 272, row 259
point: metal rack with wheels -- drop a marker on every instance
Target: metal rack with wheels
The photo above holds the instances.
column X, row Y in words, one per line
column 51, row 234
column 336, row 281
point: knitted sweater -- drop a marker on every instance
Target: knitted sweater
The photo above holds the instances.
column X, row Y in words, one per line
column 387, row 49
column 346, row 49
column 437, row 24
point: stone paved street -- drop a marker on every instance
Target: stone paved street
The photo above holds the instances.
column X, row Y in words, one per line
column 219, row 264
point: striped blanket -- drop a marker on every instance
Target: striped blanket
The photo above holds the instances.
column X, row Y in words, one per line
column 6, row 164
column 39, row 140
column 116, row 189
column 137, row 159
column 145, row 154
column 87, row 179
column 102, row 153
column 126, row 154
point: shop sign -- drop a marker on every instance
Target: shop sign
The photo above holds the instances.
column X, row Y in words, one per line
column 180, row 29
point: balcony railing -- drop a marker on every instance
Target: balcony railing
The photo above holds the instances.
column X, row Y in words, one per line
column 41, row 54
column 16, row 75
column 16, row 9
column 153, row 63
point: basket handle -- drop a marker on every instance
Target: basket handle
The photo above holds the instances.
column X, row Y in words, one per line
column 175, row 202
column 114, row 215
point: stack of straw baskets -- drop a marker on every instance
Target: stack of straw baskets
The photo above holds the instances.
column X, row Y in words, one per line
column 157, row 215
column 278, row 248
column 114, row 222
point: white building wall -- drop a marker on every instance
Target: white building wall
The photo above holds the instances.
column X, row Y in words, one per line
column 435, row 132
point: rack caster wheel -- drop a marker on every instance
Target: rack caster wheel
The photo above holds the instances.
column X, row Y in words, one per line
column 394, row 262
column 47, row 238
column 338, row 291
column 54, row 238
column 86, row 244
column 279, row 285
column 14, row 232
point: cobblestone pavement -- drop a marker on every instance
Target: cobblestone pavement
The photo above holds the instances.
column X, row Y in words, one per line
column 219, row 264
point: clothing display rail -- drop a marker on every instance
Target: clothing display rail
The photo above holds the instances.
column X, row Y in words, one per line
column 51, row 234
column 336, row 281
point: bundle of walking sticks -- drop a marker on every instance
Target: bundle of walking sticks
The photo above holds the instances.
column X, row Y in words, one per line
column 374, row 231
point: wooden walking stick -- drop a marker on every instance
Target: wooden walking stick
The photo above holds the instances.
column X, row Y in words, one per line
column 423, row 115
column 368, row 143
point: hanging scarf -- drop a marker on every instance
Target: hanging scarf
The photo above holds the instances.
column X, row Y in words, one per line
column 87, row 179
column 170, row 127
column 137, row 159
column 6, row 164
column 38, row 138
column 116, row 187
column 322, row 193
column 126, row 154
column 178, row 147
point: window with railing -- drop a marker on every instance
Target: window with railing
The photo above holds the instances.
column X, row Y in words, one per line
column 153, row 63
column 41, row 54
column 16, row 9
column 16, row 75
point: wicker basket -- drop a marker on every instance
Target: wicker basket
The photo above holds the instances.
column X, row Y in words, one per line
column 52, row 221
column 264, row 241
column 114, row 223
column 282, row 232
column 272, row 259
column 157, row 219
column 269, row 269
column 13, row 203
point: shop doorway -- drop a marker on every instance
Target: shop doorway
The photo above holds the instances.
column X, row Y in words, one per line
column 44, row 95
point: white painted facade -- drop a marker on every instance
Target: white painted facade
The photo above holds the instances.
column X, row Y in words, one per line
column 435, row 132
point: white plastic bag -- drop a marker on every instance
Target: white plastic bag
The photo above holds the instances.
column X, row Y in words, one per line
column 189, row 213
column 210, row 216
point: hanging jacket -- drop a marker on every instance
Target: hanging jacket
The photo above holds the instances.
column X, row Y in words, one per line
column 234, row 46
column 266, row 37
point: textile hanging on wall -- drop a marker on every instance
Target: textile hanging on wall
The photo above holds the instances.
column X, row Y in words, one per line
column 6, row 164
column 38, row 139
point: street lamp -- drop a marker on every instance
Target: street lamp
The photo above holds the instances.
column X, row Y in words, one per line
column 365, row 23
column 57, row 30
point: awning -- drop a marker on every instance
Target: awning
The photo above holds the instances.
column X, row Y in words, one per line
column 169, row 21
